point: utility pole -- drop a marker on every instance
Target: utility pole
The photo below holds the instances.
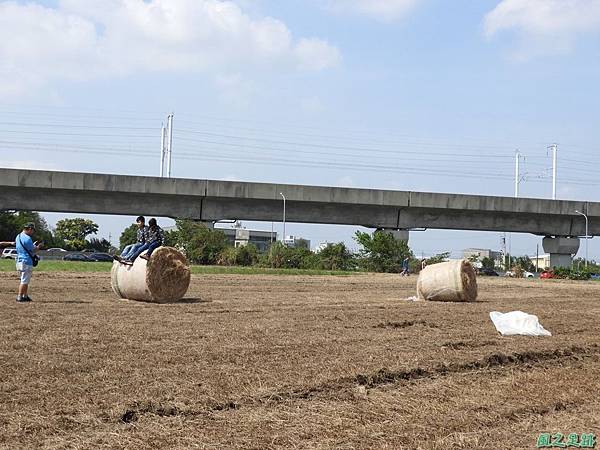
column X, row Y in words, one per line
column 518, row 180
column 169, row 143
column 163, row 137
column 554, row 148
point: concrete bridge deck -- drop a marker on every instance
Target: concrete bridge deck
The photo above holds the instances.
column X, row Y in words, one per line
column 210, row 200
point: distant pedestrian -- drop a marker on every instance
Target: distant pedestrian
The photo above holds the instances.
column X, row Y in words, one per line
column 405, row 269
column 423, row 263
column 26, row 249
column 141, row 238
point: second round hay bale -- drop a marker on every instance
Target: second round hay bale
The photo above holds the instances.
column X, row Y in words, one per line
column 163, row 279
column 452, row 281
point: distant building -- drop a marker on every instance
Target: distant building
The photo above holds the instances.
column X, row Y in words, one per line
column 240, row 237
column 540, row 262
column 481, row 253
column 322, row 246
column 296, row 242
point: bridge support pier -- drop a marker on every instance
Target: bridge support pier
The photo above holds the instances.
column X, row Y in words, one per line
column 401, row 235
column 561, row 250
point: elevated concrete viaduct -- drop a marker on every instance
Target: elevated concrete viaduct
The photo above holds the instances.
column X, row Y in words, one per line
column 212, row 200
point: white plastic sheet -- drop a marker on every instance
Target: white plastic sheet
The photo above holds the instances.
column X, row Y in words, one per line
column 518, row 323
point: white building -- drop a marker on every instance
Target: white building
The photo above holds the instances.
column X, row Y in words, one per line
column 541, row 262
column 481, row 253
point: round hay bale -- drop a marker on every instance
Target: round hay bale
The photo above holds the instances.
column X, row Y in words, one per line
column 452, row 281
column 163, row 279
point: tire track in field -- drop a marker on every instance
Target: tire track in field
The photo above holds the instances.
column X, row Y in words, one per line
column 383, row 377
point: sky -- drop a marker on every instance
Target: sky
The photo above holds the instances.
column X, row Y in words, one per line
column 423, row 95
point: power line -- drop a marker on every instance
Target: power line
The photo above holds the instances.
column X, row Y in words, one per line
column 230, row 136
column 58, row 133
column 54, row 125
column 393, row 152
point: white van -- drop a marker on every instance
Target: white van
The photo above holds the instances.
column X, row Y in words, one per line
column 9, row 253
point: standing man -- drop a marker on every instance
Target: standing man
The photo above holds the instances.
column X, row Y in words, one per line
column 26, row 248
column 142, row 237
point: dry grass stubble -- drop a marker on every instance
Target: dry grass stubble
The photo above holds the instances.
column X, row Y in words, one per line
column 277, row 361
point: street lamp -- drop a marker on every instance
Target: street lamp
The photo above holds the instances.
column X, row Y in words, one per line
column 283, row 238
column 586, row 236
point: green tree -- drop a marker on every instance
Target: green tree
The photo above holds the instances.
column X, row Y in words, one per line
column 280, row 256
column 171, row 238
column 244, row 255
column 473, row 258
column 12, row 222
column 202, row 245
column 128, row 236
column 488, row 263
column 524, row 263
column 98, row 245
column 382, row 252
column 74, row 231
column 227, row 257
column 336, row 257
column 302, row 243
column 440, row 257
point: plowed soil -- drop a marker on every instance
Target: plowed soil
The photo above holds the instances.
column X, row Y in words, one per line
column 294, row 362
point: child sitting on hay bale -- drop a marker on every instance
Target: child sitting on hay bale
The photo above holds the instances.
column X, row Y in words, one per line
column 155, row 238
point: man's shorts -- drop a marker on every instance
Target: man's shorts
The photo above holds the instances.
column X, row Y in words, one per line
column 25, row 271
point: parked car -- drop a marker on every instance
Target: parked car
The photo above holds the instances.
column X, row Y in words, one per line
column 546, row 274
column 56, row 249
column 100, row 257
column 76, row 257
column 526, row 274
column 9, row 253
column 487, row 272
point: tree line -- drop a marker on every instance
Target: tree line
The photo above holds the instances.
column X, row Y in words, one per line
column 379, row 252
column 69, row 234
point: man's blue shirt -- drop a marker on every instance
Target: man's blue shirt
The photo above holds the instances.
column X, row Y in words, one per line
column 23, row 241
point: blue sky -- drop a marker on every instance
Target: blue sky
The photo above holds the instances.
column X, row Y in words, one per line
column 426, row 95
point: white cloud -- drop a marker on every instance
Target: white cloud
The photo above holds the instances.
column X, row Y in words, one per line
column 84, row 39
column 33, row 39
column 545, row 26
column 315, row 54
column 383, row 10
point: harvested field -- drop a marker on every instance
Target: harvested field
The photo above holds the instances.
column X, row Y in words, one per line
column 294, row 362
